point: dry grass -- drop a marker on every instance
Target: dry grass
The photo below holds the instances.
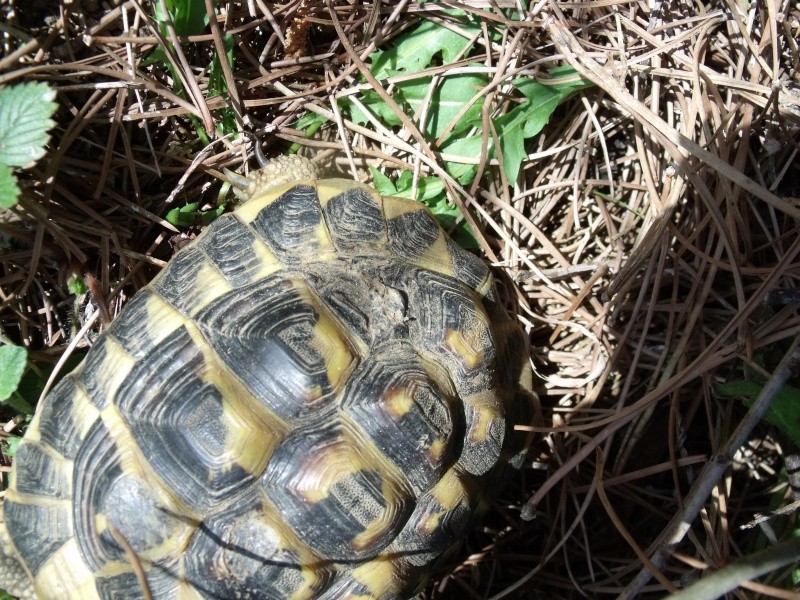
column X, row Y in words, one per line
column 653, row 237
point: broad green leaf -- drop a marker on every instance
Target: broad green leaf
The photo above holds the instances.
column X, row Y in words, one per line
column 12, row 365
column 157, row 55
column 25, row 118
column 469, row 147
column 430, row 189
column 382, row 183
column 449, row 97
column 783, row 413
column 9, row 190
column 189, row 17
column 415, row 51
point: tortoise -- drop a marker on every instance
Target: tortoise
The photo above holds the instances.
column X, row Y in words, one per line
column 314, row 399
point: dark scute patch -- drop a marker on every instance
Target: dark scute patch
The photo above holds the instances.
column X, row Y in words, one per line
column 36, row 474
column 177, row 421
column 137, row 515
column 355, row 221
column 94, row 364
column 264, row 334
column 57, row 428
column 355, row 500
column 37, row 531
column 99, row 457
column 170, row 285
column 343, row 285
column 133, row 329
column 126, row 503
column 161, row 580
column 411, row 234
column 469, row 268
column 228, row 243
column 288, row 225
column 393, row 369
column 236, row 555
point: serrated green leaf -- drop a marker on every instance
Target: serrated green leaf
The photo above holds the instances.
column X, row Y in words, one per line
column 415, row 51
column 9, row 190
column 783, row 413
column 25, row 118
column 12, row 365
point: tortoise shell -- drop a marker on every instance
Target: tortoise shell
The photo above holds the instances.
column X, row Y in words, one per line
column 312, row 400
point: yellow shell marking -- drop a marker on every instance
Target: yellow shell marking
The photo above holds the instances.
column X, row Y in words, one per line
column 268, row 261
column 488, row 412
column 379, row 576
column 330, row 342
column 64, row 576
column 398, row 401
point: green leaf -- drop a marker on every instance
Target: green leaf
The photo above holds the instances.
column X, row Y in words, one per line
column 218, row 86
column 415, row 51
column 189, row 17
column 527, row 120
column 783, row 413
column 12, row 365
column 382, row 184
column 25, row 118
column 449, row 97
column 469, row 147
column 188, row 215
column 9, row 190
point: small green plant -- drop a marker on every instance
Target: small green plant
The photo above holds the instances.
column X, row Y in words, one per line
column 26, row 112
column 189, row 17
column 452, row 121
